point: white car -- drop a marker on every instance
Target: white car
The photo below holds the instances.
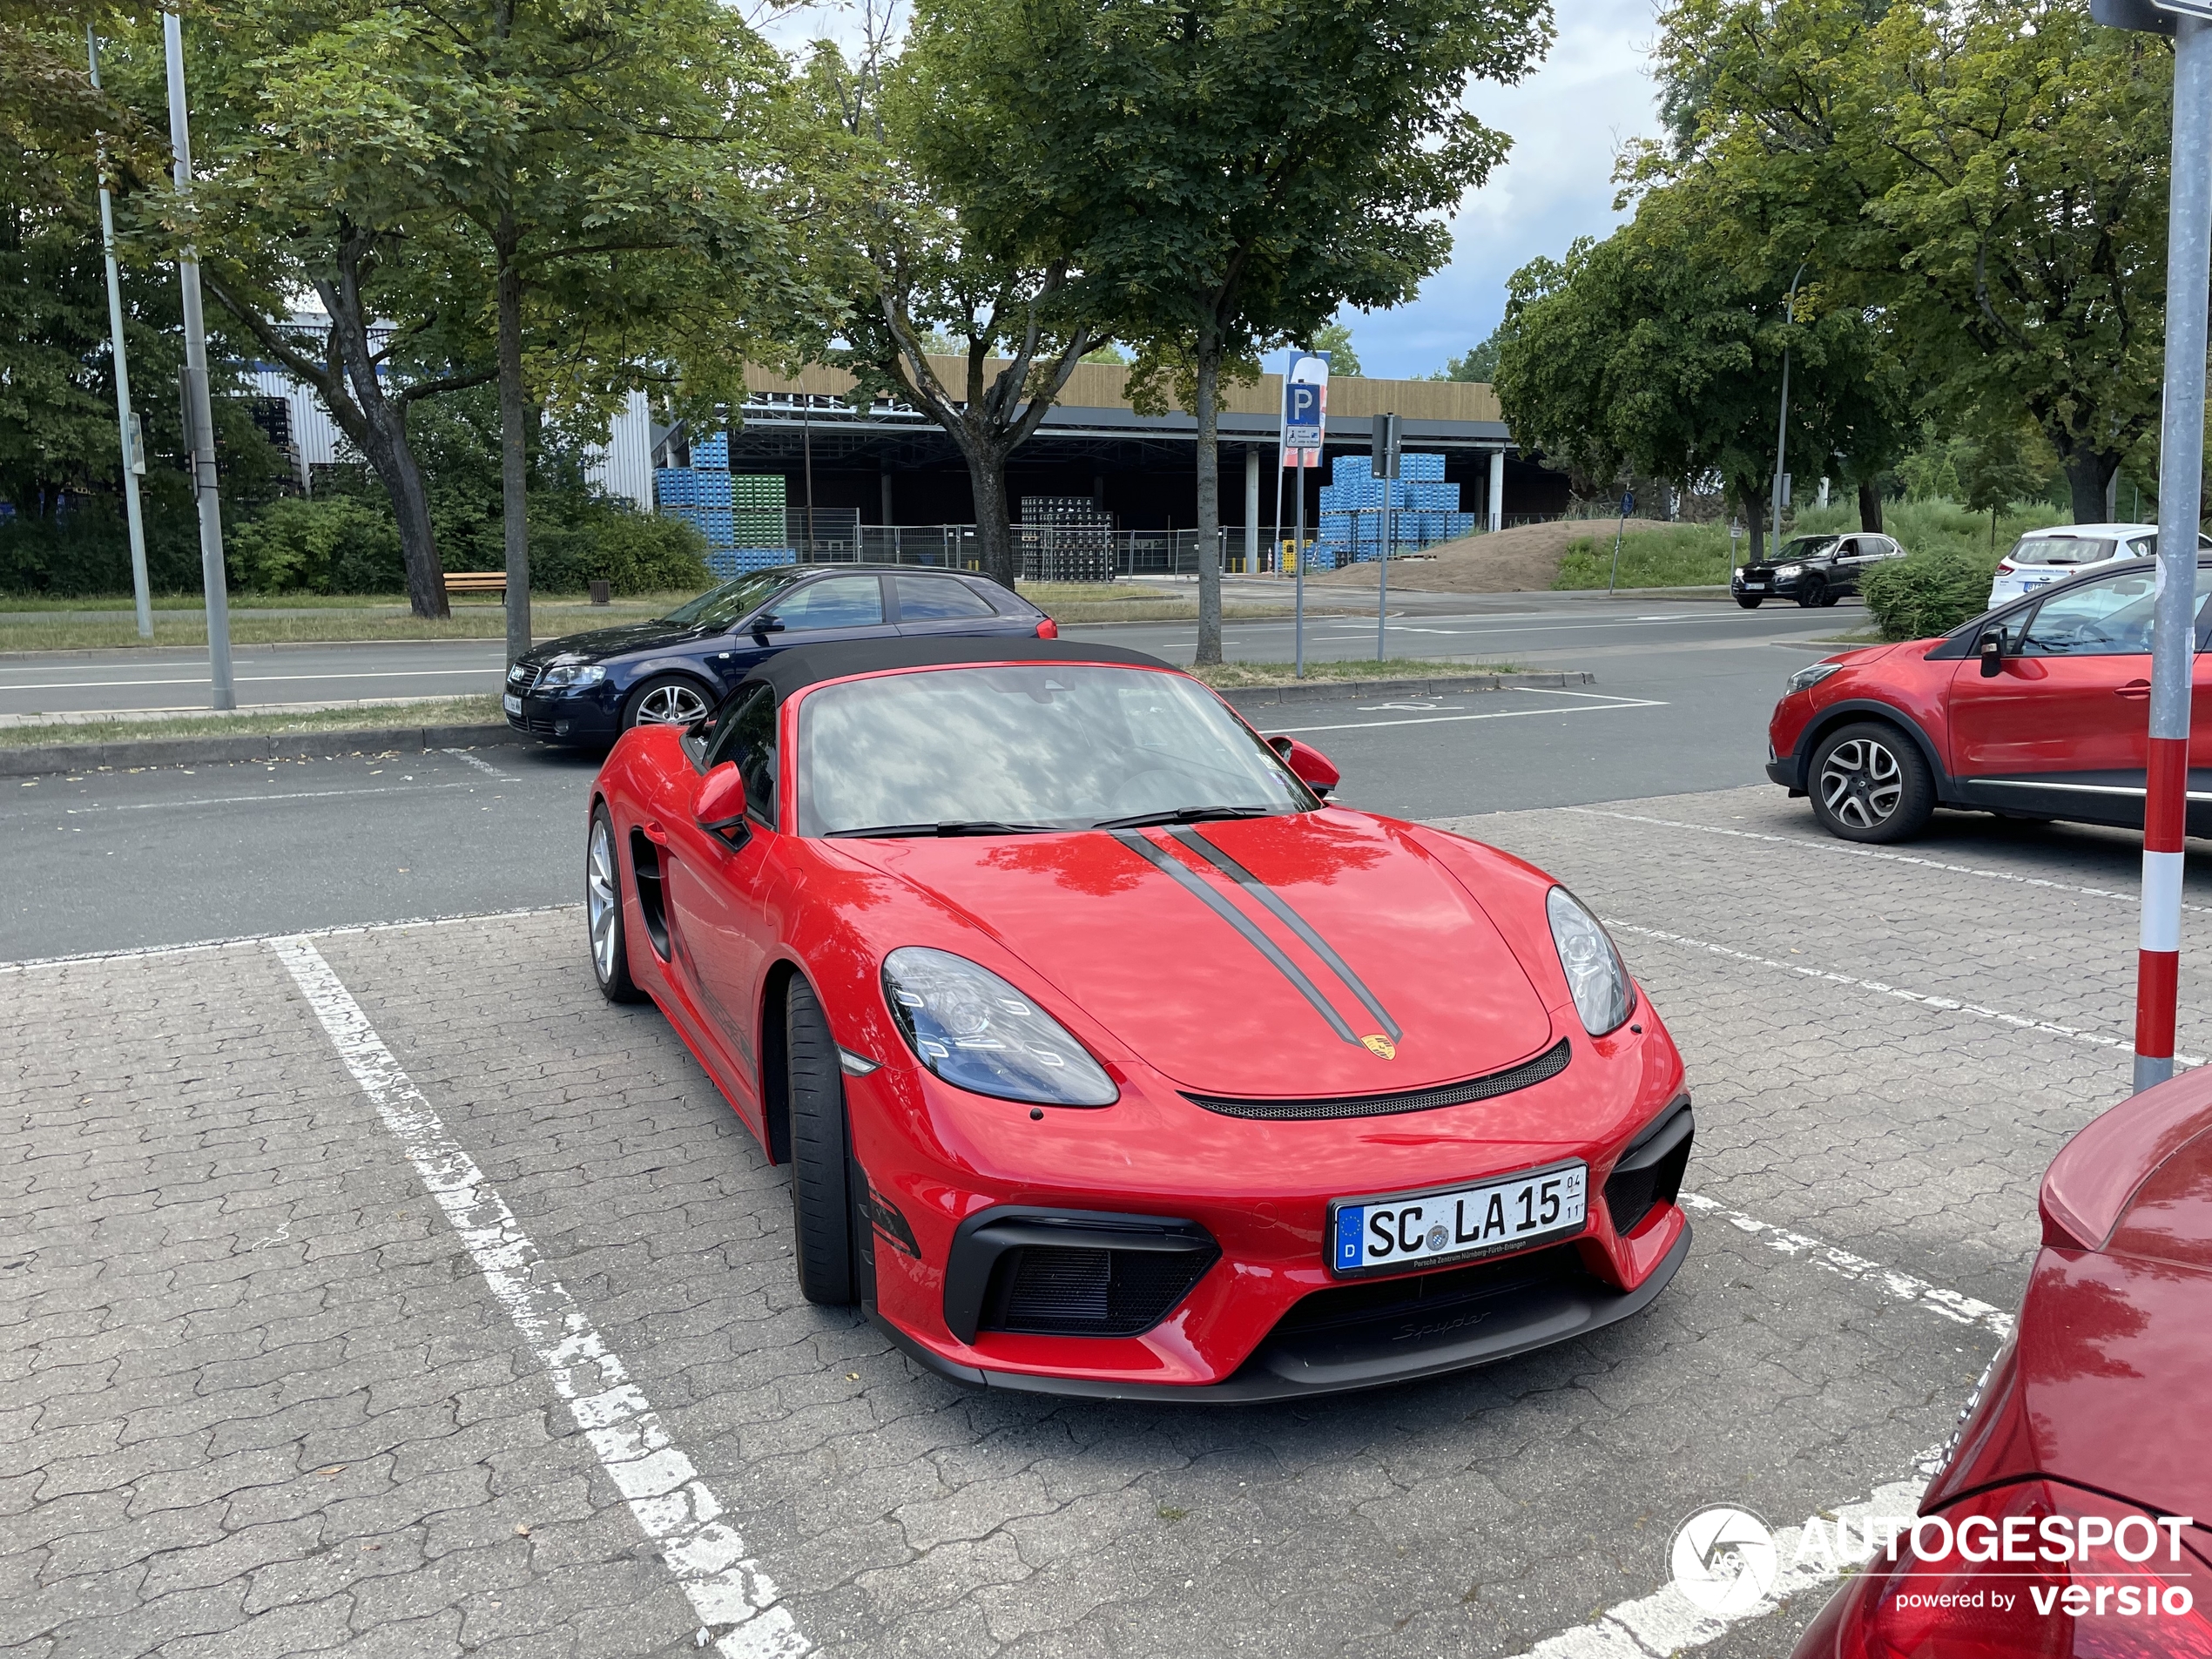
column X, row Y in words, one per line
column 2046, row 554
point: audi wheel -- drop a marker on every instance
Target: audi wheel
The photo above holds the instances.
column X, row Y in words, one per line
column 670, row 700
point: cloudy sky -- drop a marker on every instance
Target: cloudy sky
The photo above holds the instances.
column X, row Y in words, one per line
column 1590, row 97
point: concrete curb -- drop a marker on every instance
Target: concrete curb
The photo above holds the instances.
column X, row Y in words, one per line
column 198, row 654
column 36, row 760
column 1340, row 691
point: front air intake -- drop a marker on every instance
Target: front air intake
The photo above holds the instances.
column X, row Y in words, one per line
column 1650, row 1171
column 1070, row 1272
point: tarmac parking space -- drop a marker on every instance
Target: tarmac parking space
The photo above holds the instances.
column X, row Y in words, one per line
column 264, row 1396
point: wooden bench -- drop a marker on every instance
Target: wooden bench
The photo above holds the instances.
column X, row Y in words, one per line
column 477, row 582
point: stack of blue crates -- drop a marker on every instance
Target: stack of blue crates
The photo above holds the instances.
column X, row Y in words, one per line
column 703, row 496
column 1427, row 509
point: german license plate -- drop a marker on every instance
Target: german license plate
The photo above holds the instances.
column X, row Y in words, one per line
column 1755, row 587
column 512, row 703
column 1398, row 1230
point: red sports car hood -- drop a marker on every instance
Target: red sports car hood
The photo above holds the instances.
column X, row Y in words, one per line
column 1207, row 949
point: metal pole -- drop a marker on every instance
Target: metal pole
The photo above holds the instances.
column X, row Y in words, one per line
column 2188, row 248
column 1613, row 581
column 1782, row 424
column 1298, row 554
column 133, row 458
column 197, row 410
column 1382, row 588
column 1275, row 530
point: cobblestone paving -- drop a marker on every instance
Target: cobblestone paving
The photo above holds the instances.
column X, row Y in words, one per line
column 258, row 1399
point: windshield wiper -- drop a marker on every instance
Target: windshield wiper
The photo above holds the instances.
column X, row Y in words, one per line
column 1182, row 815
column 953, row 827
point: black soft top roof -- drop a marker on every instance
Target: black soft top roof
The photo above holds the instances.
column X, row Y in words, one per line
column 798, row 666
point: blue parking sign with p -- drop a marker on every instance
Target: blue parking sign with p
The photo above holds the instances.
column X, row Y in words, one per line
column 1301, row 403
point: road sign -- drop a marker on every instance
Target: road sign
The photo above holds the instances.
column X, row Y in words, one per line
column 1627, row 502
column 1306, row 408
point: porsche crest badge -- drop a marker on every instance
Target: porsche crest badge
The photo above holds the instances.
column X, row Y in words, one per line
column 1381, row 1047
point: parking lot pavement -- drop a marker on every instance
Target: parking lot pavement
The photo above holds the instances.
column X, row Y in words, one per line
column 263, row 1396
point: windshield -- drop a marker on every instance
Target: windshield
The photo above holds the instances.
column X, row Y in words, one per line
column 1806, row 547
column 719, row 607
column 2060, row 549
column 1062, row 747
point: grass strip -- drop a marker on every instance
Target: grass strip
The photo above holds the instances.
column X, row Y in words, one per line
column 454, row 710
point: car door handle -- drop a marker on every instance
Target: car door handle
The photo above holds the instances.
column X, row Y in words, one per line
column 2133, row 688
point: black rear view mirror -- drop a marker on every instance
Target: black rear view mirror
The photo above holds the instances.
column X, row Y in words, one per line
column 1992, row 653
column 768, row 625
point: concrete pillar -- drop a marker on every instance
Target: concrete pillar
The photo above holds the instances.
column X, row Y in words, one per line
column 889, row 517
column 1497, row 503
column 1252, row 511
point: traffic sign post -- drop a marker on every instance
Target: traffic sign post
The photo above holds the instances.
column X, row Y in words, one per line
column 2188, row 251
column 1305, row 415
column 1388, row 428
column 1628, row 506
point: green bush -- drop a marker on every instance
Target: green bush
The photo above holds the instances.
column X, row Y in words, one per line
column 1928, row 593
column 1681, row 556
column 610, row 542
column 326, row 544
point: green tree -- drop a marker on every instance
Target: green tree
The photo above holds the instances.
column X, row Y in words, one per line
column 1478, row 363
column 1988, row 175
column 1335, row 337
column 915, row 283
column 1224, row 174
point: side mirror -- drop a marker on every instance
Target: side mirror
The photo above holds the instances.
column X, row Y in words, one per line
column 720, row 804
column 1307, row 764
column 765, row 625
column 1992, row 653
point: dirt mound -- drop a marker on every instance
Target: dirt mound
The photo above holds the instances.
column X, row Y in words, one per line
column 1520, row 560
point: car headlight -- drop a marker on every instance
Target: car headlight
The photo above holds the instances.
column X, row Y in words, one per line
column 571, row 675
column 978, row 1033
column 1809, row 676
column 1789, row 569
column 1595, row 974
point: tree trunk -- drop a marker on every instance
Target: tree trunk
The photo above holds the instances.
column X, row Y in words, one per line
column 2087, row 472
column 1870, row 505
column 384, row 442
column 1208, row 377
column 514, row 456
column 1755, row 520
column 994, row 522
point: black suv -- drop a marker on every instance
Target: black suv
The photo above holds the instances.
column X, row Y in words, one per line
column 588, row 688
column 1812, row 569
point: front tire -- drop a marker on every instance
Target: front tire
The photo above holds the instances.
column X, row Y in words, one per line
column 821, row 1186
column 668, row 699
column 1827, row 598
column 1749, row 602
column 609, row 938
column 1871, row 783
column 1810, row 594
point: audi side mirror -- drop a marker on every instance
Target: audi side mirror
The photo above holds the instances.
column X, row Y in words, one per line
column 1307, row 764
column 1992, row 653
column 763, row 626
column 719, row 806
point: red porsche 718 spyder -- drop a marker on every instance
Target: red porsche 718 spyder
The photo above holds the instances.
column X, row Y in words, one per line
column 1109, row 1057
column 2073, row 1519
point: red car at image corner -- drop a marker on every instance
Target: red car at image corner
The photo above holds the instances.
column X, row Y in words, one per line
column 2038, row 709
column 2099, row 1409
column 1109, row 1057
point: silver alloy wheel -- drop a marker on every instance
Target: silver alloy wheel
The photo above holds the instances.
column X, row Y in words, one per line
column 602, row 906
column 674, row 703
column 1861, row 783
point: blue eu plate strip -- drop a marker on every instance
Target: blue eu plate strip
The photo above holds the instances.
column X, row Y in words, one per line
column 1350, row 1220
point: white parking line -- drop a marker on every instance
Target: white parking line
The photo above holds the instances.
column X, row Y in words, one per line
column 1946, row 1004
column 136, row 952
column 1962, row 1310
column 1665, row 1622
column 1502, row 714
column 482, row 765
column 252, row 801
column 738, row 1609
column 1807, row 843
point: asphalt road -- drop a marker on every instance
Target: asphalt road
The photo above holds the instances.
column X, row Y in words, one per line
column 1548, row 629
column 116, row 860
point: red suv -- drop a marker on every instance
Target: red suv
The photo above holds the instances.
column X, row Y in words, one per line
column 2039, row 710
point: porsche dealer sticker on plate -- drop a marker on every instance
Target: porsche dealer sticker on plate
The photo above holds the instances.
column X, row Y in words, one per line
column 1457, row 1224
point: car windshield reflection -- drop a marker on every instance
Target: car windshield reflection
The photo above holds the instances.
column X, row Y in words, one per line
column 1016, row 750
column 731, row 602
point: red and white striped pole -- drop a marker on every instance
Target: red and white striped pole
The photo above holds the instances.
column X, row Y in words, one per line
column 2188, row 250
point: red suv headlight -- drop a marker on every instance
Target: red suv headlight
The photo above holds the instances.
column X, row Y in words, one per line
column 1977, row 1580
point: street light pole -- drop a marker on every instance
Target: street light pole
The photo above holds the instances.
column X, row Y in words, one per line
column 2188, row 251
column 134, row 460
column 199, row 413
column 1782, row 424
